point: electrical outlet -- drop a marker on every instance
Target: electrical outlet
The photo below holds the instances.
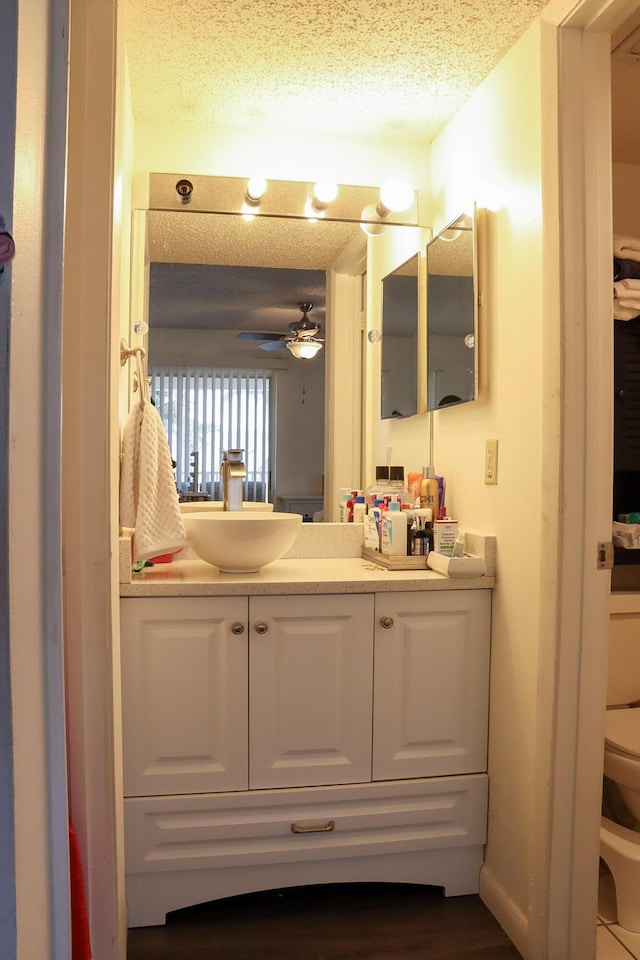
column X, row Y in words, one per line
column 491, row 462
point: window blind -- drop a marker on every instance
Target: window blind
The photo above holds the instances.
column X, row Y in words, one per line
column 206, row 410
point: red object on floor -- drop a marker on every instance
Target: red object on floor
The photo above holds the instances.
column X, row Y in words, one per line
column 80, row 940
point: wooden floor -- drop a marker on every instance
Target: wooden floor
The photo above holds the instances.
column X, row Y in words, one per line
column 333, row 922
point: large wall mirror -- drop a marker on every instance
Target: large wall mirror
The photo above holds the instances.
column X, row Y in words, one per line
column 227, row 289
column 400, row 322
column 452, row 315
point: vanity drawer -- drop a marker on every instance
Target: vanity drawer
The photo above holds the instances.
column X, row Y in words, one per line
column 315, row 823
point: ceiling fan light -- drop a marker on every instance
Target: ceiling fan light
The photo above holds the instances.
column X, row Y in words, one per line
column 304, row 349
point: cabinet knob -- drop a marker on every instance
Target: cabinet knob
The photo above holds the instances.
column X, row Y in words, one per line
column 386, row 622
column 261, row 626
column 237, row 628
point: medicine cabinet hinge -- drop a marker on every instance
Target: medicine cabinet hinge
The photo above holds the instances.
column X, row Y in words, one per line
column 362, row 320
column 605, row 555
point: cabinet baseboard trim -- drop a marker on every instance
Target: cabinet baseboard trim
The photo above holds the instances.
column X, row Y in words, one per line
column 512, row 920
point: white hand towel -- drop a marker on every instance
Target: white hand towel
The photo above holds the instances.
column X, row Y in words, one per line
column 627, row 248
column 148, row 495
column 626, row 288
column 624, row 313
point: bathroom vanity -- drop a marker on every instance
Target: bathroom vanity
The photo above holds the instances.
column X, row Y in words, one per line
column 320, row 721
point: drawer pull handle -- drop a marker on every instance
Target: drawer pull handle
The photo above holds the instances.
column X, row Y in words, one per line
column 237, row 628
column 314, row 828
column 386, row 622
column 261, row 626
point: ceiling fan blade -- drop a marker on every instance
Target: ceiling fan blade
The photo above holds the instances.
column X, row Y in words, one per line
column 257, row 335
column 279, row 344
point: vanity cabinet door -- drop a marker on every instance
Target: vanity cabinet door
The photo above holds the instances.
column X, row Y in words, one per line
column 310, row 683
column 431, row 683
column 184, row 695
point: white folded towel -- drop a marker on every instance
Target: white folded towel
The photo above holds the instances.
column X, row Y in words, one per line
column 624, row 313
column 626, row 535
column 626, row 288
column 148, row 495
column 627, row 248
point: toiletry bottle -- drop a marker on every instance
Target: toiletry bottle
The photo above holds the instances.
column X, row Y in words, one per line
column 429, row 491
column 359, row 510
column 423, row 538
column 394, row 531
column 343, row 509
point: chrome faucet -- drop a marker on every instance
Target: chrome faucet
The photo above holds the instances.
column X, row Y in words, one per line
column 233, row 472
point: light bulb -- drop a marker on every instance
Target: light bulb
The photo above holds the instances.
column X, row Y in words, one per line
column 256, row 188
column 311, row 212
column 397, row 195
column 371, row 229
column 325, row 192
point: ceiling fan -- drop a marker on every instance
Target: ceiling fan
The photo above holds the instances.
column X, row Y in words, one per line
column 301, row 338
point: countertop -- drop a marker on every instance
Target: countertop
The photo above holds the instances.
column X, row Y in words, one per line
column 195, row 578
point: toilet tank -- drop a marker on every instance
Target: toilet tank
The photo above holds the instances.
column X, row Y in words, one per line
column 623, row 672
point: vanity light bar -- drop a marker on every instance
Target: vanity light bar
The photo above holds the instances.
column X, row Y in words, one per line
column 277, row 198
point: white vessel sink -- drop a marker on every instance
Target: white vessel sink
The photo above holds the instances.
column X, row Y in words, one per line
column 239, row 541
column 206, row 506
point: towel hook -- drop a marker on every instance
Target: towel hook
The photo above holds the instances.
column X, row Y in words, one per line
column 126, row 352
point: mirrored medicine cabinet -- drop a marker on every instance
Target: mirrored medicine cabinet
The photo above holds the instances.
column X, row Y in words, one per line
column 400, row 326
column 452, row 314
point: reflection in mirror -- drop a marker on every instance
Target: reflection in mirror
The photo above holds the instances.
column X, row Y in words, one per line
column 214, row 274
column 399, row 374
column 452, row 320
column 211, row 278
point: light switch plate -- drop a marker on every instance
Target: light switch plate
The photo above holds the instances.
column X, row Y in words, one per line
column 491, row 462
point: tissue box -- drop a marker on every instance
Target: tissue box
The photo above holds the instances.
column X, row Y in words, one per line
column 455, row 567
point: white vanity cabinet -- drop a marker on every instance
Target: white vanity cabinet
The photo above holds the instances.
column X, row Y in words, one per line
column 237, row 694
column 279, row 740
column 431, row 684
column 184, row 695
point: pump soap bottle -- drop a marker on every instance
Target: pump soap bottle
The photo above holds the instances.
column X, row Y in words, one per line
column 429, row 491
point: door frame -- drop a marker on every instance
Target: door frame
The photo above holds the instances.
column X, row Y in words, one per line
column 574, row 649
column 8, row 83
column 563, row 890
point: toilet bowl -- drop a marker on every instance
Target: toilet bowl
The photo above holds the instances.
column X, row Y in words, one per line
column 620, row 845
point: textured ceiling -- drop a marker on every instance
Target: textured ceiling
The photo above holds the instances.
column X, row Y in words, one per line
column 360, row 67
column 385, row 68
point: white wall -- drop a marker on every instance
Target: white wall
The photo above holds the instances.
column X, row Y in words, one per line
column 201, row 149
column 490, row 153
